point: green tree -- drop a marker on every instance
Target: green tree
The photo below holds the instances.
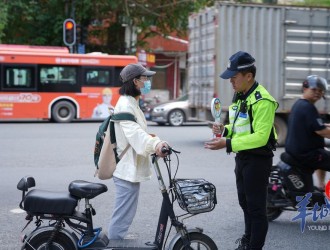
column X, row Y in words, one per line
column 324, row 3
column 39, row 22
column 32, row 22
column 3, row 18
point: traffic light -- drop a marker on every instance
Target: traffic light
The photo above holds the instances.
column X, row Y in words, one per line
column 69, row 32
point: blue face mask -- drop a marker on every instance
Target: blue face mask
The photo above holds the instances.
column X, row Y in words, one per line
column 146, row 88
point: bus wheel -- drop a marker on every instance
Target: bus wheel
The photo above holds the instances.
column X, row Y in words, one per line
column 63, row 111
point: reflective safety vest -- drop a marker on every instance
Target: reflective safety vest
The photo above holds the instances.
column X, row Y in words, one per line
column 251, row 120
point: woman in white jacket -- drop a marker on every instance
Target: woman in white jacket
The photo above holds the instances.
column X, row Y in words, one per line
column 135, row 166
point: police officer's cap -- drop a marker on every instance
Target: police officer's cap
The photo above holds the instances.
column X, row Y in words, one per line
column 240, row 61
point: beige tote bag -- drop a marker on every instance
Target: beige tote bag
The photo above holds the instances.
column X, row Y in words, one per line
column 107, row 161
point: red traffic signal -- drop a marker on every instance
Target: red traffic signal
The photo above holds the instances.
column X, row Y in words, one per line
column 69, row 32
column 69, row 25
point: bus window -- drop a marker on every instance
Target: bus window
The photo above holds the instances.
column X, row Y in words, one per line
column 18, row 78
column 58, row 78
column 58, row 75
column 97, row 77
column 117, row 82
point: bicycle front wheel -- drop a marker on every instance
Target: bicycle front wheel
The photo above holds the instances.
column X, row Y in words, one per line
column 198, row 241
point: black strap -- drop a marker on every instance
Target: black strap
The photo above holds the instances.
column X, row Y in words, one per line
column 118, row 117
column 236, row 116
column 242, row 105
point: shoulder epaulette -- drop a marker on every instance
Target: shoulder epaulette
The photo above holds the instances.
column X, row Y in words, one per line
column 257, row 95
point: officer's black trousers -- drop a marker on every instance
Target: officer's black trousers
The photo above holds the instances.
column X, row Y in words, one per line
column 252, row 173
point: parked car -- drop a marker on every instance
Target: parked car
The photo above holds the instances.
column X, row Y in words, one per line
column 174, row 112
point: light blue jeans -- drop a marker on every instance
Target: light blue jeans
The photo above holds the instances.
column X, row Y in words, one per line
column 127, row 195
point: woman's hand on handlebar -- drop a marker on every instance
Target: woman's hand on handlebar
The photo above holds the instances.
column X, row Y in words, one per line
column 161, row 149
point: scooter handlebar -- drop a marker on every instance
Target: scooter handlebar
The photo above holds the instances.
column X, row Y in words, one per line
column 167, row 150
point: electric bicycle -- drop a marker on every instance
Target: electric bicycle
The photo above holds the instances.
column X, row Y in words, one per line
column 67, row 228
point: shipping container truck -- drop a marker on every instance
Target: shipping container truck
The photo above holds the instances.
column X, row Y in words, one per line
column 288, row 42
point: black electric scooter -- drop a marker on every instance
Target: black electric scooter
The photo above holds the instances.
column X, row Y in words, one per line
column 69, row 229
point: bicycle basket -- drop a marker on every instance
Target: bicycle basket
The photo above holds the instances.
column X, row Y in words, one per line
column 195, row 195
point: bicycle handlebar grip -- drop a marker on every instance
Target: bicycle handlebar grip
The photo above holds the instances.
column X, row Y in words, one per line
column 165, row 150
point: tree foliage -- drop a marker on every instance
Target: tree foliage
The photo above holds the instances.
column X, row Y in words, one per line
column 32, row 22
column 39, row 22
column 319, row 3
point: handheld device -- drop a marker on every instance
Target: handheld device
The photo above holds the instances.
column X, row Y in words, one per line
column 216, row 109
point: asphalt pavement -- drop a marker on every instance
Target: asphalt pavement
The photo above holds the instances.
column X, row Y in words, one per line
column 56, row 154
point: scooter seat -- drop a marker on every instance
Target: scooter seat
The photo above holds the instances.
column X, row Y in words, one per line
column 48, row 202
column 85, row 189
column 288, row 159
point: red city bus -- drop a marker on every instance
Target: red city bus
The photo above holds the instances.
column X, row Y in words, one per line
column 41, row 82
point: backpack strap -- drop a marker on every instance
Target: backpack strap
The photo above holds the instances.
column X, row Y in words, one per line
column 124, row 116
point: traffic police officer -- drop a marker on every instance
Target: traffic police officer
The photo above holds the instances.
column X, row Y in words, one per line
column 252, row 136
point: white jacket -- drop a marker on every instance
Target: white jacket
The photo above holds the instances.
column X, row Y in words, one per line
column 135, row 166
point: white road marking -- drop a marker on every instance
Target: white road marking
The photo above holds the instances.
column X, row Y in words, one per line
column 17, row 211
